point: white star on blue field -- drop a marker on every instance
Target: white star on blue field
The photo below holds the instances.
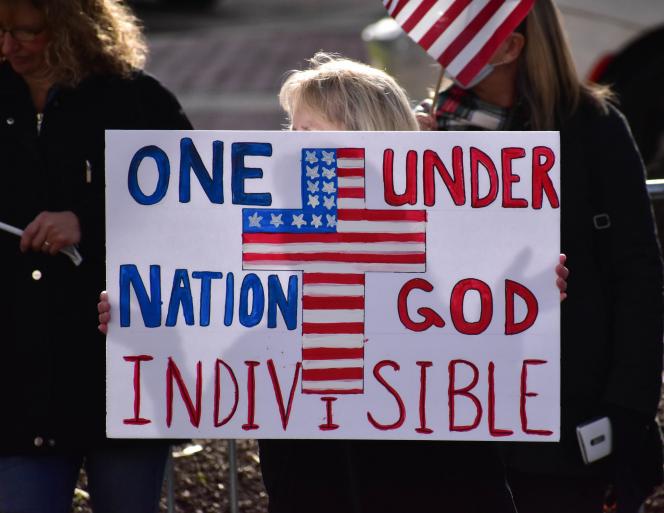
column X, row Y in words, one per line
column 318, row 210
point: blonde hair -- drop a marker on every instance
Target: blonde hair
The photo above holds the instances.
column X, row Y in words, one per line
column 90, row 36
column 349, row 94
column 547, row 79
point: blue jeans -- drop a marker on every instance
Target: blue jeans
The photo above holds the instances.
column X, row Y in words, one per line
column 120, row 480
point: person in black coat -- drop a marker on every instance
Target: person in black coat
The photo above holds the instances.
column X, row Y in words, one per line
column 69, row 71
column 611, row 337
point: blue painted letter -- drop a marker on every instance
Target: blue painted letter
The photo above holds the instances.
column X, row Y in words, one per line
column 163, row 168
column 180, row 295
column 276, row 298
column 190, row 159
column 241, row 173
column 150, row 306
column 206, row 278
column 251, row 283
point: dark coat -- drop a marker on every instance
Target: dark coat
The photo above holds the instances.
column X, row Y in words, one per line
column 52, row 374
column 611, row 336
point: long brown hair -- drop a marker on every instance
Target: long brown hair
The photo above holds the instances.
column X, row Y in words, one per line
column 90, row 36
column 547, row 80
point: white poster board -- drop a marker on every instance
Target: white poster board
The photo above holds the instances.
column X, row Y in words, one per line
column 333, row 285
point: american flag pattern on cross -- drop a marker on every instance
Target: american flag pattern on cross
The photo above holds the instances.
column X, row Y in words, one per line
column 334, row 239
column 462, row 35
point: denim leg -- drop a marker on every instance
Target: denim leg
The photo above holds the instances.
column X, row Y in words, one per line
column 38, row 483
column 127, row 479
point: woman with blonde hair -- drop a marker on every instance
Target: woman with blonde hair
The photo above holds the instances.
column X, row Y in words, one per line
column 611, row 338
column 68, row 71
column 361, row 476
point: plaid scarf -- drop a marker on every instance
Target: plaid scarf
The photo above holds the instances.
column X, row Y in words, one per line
column 460, row 109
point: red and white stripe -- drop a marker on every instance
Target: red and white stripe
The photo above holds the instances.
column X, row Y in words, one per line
column 333, row 333
column 460, row 34
column 333, row 280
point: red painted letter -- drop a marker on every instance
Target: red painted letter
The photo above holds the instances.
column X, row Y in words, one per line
column 329, row 421
column 541, row 180
column 423, row 398
column 525, row 394
column 430, row 317
column 217, row 393
column 479, row 157
column 454, row 186
column 510, row 154
column 251, row 395
column 456, row 306
column 137, row 420
column 395, row 394
column 493, row 430
column 532, row 308
column 173, row 374
column 465, row 392
column 284, row 412
column 410, row 194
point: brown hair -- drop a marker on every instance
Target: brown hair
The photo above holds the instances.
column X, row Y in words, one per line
column 547, row 80
column 90, row 36
column 349, row 94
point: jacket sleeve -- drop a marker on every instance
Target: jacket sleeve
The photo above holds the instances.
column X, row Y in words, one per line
column 635, row 270
column 138, row 103
column 159, row 108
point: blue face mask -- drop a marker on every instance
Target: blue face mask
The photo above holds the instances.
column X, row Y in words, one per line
column 484, row 72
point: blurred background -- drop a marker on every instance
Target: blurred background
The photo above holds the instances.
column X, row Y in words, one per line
column 226, row 59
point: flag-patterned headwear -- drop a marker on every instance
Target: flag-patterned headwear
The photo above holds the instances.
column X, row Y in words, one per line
column 461, row 35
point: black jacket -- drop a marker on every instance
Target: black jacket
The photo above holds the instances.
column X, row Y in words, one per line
column 611, row 336
column 52, row 375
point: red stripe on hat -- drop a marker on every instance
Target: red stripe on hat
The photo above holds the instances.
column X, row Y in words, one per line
column 468, row 33
column 486, row 52
column 399, row 8
column 448, row 17
column 419, row 13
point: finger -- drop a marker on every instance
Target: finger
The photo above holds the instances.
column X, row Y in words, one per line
column 104, row 318
column 562, row 258
column 562, row 284
column 40, row 237
column 563, row 296
column 29, row 234
column 103, row 328
column 562, row 271
column 103, row 306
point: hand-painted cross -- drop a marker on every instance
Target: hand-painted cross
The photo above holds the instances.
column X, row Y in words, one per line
column 334, row 239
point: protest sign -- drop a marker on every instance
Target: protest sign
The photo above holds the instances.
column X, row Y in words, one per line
column 333, row 285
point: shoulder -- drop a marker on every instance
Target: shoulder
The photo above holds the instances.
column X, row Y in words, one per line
column 596, row 116
column 152, row 105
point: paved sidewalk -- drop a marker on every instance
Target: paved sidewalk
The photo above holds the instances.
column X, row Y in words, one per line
column 226, row 66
